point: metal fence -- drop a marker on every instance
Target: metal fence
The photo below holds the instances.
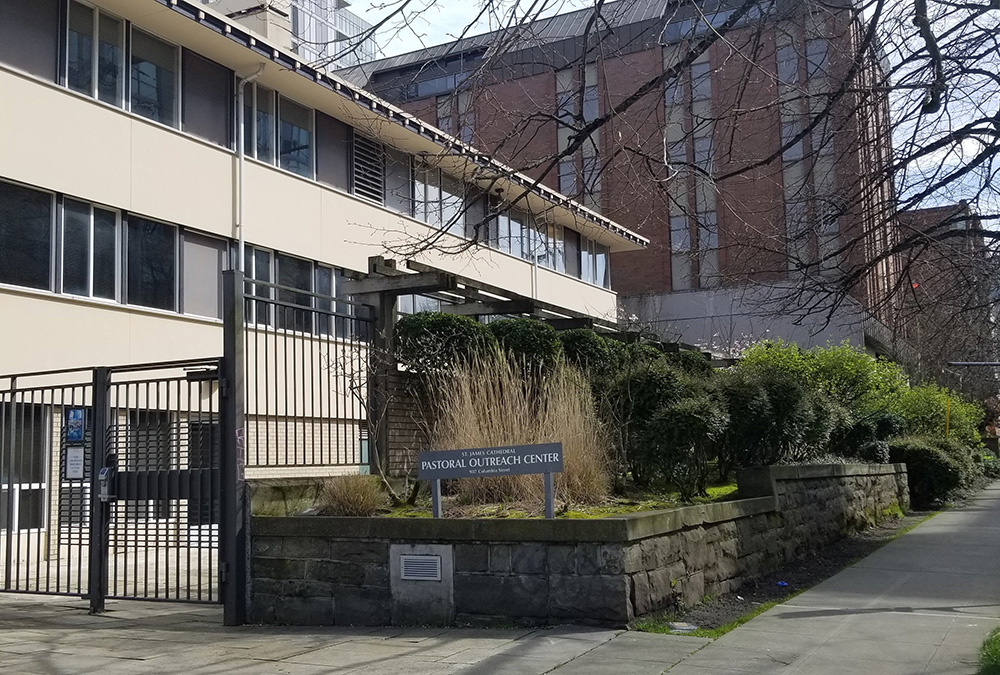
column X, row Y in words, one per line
column 151, row 529
column 308, row 376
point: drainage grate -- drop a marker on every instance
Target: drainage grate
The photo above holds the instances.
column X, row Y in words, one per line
column 420, row 567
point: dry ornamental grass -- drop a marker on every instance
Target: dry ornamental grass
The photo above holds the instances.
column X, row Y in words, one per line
column 353, row 495
column 493, row 401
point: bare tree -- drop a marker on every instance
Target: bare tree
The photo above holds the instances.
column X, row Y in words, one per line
column 772, row 149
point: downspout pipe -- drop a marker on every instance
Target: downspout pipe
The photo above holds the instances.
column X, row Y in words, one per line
column 241, row 159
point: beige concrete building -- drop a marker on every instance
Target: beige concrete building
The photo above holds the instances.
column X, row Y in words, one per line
column 123, row 193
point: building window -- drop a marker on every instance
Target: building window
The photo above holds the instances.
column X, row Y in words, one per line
column 333, row 152
column 708, row 250
column 439, row 200
column 258, row 268
column 816, row 58
column 792, row 151
column 307, row 286
column 25, row 236
column 701, row 81
column 680, row 254
column 592, row 181
column 154, row 78
column 788, row 65
column 95, row 67
column 466, row 116
column 602, row 266
column 29, row 36
column 567, row 177
column 294, row 273
column 89, row 250
column 444, row 117
column 295, row 126
column 259, row 123
column 203, row 260
column 207, row 99
column 151, row 256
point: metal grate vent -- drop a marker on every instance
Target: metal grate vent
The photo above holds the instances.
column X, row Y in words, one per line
column 369, row 169
column 420, row 567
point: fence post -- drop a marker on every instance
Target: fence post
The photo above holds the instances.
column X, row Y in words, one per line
column 234, row 515
column 100, row 511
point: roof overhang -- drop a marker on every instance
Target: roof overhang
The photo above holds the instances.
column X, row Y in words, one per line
column 241, row 50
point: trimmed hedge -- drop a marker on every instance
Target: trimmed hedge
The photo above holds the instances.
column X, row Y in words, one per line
column 428, row 342
column 535, row 342
column 932, row 474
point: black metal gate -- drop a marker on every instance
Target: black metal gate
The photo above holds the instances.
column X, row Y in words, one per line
column 111, row 482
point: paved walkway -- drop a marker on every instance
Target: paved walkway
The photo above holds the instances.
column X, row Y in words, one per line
column 922, row 604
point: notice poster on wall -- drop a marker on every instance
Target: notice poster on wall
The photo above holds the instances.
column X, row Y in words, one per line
column 74, row 462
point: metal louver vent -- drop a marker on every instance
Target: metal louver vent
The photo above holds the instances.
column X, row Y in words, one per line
column 369, row 169
column 420, row 567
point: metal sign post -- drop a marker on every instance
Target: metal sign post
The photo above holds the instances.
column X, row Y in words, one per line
column 509, row 460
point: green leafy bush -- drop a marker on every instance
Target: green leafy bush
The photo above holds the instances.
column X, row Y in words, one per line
column 535, row 342
column 963, row 455
column 680, row 442
column 585, row 349
column 431, row 342
column 931, row 474
column 692, row 363
column 991, row 467
column 930, row 410
column 634, row 398
column 854, row 379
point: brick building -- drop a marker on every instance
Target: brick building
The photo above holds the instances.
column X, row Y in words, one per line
column 758, row 180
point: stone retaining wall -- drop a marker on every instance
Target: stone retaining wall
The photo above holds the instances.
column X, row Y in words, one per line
column 316, row 570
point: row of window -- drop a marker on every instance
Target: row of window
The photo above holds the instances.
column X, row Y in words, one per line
column 177, row 87
column 55, row 243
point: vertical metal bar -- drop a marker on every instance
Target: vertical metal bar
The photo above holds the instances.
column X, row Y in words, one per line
column 99, row 531
column 232, row 528
column 436, row 497
column 550, row 493
column 6, row 462
column 11, row 470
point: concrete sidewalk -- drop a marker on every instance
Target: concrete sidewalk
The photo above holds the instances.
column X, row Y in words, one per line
column 922, row 604
column 49, row 635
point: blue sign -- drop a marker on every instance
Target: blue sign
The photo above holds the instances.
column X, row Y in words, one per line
column 76, row 425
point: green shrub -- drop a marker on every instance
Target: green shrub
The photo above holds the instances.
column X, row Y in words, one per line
column 876, row 452
column 431, row 342
column 930, row 410
column 585, row 349
column 931, row 474
column 749, row 409
column 535, row 342
column 855, row 379
column 963, row 456
column 680, row 442
column 353, row 495
column 991, row 467
column 691, row 362
column 633, row 399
